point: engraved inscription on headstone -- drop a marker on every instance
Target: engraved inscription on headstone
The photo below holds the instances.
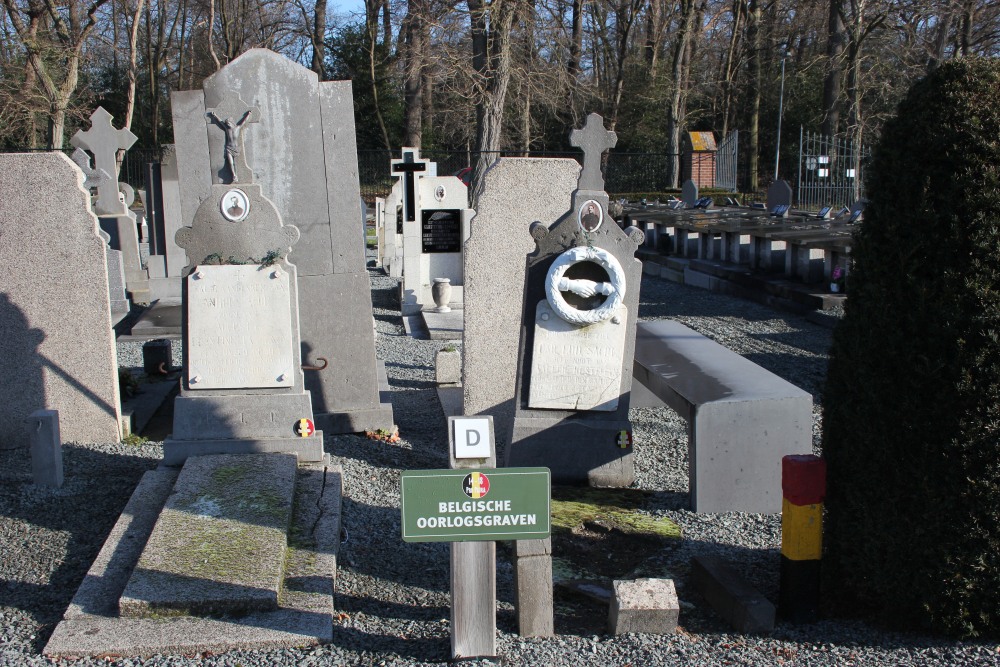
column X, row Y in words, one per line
column 239, row 328
column 576, row 368
column 442, row 230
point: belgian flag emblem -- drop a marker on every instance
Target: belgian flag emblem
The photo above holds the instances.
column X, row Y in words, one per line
column 476, row 485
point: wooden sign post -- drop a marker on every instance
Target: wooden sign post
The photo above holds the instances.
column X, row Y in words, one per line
column 472, row 510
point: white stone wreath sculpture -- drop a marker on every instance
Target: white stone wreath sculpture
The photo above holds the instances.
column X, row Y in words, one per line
column 556, row 282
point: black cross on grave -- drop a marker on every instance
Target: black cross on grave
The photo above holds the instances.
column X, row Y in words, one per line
column 230, row 116
column 593, row 139
column 104, row 141
column 407, row 168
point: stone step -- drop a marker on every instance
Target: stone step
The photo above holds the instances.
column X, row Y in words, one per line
column 218, row 547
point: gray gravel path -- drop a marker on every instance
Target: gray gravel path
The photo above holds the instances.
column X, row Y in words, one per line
column 394, row 595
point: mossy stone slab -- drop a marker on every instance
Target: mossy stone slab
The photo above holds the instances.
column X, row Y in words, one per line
column 218, row 547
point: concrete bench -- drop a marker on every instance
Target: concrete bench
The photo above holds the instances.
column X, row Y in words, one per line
column 741, row 418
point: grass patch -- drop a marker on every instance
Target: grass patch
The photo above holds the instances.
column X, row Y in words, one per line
column 611, row 509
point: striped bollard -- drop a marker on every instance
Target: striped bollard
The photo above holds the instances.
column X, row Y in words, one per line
column 803, row 486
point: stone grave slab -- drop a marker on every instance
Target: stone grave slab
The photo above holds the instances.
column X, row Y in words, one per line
column 91, row 625
column 218, row 546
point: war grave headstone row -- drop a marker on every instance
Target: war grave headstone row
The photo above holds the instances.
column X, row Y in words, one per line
column 266, row 114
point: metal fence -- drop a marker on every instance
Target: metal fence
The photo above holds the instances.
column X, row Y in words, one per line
column 831, row 170
column 727, row 162
column 623, row 172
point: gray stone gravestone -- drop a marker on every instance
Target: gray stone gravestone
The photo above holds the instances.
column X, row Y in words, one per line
column 104, row 142
column 689, row 193
column 581, row 300
column 58, row 348
column 516, row 192
column 303, row 153
column 779, row 193
column 243, row 386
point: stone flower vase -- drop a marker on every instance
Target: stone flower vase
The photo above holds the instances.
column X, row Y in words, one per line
column 441, row 291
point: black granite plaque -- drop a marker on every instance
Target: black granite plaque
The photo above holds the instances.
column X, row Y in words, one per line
column 442, row 230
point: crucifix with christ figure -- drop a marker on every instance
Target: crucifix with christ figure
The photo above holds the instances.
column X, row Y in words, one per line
column 230, row 116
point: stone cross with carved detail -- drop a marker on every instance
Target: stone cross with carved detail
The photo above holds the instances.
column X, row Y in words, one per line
column 95, row 178
column 104, row 141
column 593, row 139
column 238, row 114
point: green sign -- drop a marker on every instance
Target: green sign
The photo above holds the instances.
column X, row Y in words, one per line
column 466, row 505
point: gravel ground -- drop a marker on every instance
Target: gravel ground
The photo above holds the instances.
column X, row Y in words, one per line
column 394, row 595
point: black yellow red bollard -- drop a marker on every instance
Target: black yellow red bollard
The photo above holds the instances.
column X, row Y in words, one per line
column 803, row 486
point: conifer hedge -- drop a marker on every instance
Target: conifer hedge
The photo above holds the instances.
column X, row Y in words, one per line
column 911, row 429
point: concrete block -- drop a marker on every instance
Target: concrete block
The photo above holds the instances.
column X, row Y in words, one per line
column 731, row 596
column 533, row 581
column 697, row 279
column 46, row 448
column 644, row 605
column 741, row 418
column 448, row 367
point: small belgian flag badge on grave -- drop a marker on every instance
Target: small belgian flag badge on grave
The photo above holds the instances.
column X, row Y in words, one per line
column 304, row 428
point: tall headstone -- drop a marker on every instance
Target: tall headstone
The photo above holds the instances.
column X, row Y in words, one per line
column 57, row 351
column 516, row 192
column 689, row 193
column 243, row 389
column 303, row 153
column 581, row 300
column 435, row 224
column 104, row 142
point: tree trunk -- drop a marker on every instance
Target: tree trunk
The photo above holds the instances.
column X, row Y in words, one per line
column 491, row 58
column 681, row 41
column 413, row 87
column 728, row 85
column 832, row 82
column 318, row 38
column 756, row 74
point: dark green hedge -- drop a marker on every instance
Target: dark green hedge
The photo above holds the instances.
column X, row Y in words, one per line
column 912, row 401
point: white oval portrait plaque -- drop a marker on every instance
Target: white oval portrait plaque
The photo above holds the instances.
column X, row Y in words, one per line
column 235, row 205
column 591, row 216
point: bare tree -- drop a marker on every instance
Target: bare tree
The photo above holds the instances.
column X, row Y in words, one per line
column 53, row 37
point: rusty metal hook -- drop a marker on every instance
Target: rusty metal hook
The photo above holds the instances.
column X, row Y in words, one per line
column 307, row 367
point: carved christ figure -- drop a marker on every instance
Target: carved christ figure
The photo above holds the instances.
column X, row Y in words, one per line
column 233, row 143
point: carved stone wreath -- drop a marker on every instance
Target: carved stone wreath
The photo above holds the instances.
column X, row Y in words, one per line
column 556, row 282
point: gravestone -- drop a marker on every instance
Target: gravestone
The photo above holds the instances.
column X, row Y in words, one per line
column 243, row 387
column 779, row 193
column 581, row 301
column 516, row 192
column 392, row 226
column 166, row 260
column 58, row 349
column 435, row 224
column 104, row 142
column 297, row 135
column 689, row 193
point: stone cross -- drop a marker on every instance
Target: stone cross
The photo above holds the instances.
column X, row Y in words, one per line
column 593, row 139
column 95, row 178
column 104, row 141
column 407, row 167
column 230, row 116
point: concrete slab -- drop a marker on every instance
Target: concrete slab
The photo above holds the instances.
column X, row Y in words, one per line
column 644, row 605
column 162, row 319
column 304, row 617
column 138, row 410
column 451, row 396
column 219, row 544
column 443, row 326
column 733, row 597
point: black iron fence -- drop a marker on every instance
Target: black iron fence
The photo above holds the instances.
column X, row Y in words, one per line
column 623, row 172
